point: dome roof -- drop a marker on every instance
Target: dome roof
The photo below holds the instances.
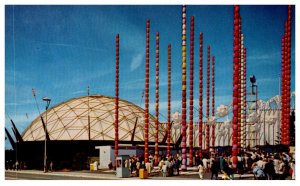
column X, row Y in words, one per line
column 69, row 121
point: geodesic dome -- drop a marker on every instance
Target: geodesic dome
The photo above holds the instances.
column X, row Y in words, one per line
column 69, row 121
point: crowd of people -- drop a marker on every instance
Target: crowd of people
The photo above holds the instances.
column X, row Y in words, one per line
column 271, row 166
column 168, row 166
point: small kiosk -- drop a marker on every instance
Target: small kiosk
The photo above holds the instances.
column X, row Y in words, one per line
column 122, row 168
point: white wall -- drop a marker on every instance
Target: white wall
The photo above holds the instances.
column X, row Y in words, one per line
column 106, row 154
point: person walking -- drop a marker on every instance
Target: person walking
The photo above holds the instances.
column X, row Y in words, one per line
column 269, row 169
column 51, row 166
column 17, row 165
column 258, row 172
column 164, row 169
column 177, row 164
column 292, row 165
column 226, row 171
column 215, row 167
column 281, row 170
column 205, row 164
column 201, row 169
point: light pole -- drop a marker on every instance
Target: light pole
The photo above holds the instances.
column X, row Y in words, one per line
column 48, row 100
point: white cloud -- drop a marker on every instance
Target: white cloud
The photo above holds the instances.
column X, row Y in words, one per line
column 136, row 61
column 266, row 58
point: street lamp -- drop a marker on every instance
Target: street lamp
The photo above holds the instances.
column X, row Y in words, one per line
column 48, row 100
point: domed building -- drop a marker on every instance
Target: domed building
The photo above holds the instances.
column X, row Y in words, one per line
column 75, row 127
column 92, row 118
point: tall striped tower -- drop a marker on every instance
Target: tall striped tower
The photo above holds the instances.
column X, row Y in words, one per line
column 207, row 100
column 213, row 101
column 191, row 128
column 156, row 98
column 183, row 115
column 235, row 86
column 117, row 101
column 200, row 94
column 146, row 126
column 242, row 92
column 169, row 102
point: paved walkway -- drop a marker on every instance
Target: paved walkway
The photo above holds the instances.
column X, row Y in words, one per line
column 191, row 174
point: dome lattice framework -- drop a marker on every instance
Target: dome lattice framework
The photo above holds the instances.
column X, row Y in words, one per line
column 69, row 121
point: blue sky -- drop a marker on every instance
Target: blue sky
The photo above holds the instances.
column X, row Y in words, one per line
column 60, row 50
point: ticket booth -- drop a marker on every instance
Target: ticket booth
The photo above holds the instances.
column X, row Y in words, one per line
column 122, row 168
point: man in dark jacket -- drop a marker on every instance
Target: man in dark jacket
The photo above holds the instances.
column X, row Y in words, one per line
column 269, row 169
column 215, row 167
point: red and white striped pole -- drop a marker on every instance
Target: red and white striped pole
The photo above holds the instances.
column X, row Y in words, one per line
column 207, row 100
column 213, row 101
column 289, row 23
column 169, row 102
column 191, row 128
column 285, row 114
column 283, row 95
column 117, row 101
column 242, row 93
column 239, row 88
column 245, row 95
column 156, row 98
column 235, row 86
column 146, row 126
column 200, row 95
column 183, row 115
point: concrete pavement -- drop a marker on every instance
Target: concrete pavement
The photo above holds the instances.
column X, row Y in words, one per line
column 190, row 174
